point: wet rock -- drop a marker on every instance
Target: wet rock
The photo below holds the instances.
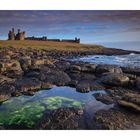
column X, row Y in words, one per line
column 5, row 92
column 38, row 62
column 46, row 85
column 11, row 68
column 26, row 84
column 82, row 76
column 138, row 83
column 63, row 65
column 104, row 98
column 58, row 78
column 134, row 71
column 115, row 119
column 73, row 83
column 115, row 80
column 25, row 63
column 108, row 68
column 130, row 101
column 4, row 79
column 129, row 105
column 62, row 119
column 75, row 68
column 12, row 65
column 87, row 85
column 89, row 68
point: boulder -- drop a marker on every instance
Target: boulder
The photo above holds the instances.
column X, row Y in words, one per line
column 11, row 68
column 87, row 85
column 115, row 79
column 137, row 83
column 129, row 105
column 104, row 98
column 63, row 65
column 25, row 63
column 130, row 101
column 4, row 79
column 75, row 68
column 134, row 71
column 58, row 78
column 108, row 68
column 5, row 92
column 88, row 68
column 38, row 62
column 26, row 84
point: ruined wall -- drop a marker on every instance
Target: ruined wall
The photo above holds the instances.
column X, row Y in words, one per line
column 18, row 36
column 21, row 36
column 11, row 35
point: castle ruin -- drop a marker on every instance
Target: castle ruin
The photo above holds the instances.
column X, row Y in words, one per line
column 21, row 36
column 18, row 36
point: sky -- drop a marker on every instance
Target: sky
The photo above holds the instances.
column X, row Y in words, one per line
column 90, row 26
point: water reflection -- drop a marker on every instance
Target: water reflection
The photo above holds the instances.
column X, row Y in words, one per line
column 27, row 110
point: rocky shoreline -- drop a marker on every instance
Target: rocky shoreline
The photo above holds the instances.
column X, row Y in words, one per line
column 24, row 71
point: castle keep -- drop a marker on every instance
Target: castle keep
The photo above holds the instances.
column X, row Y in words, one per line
column 21, row 36
column 18, row 36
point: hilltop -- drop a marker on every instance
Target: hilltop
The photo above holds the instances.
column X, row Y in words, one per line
column 67, row 47
column 49, row 45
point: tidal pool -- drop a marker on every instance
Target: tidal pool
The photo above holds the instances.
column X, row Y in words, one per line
column 26, row 111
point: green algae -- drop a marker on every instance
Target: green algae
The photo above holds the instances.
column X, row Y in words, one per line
column 58, row 101
column 27, row 111
column 26, row 116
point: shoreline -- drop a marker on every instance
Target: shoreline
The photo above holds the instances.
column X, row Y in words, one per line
column 26, row 70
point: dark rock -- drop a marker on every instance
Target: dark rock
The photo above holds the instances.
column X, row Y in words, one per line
column 25, row 84
column 115, row 119
column 87, row 85
column 58, row 78
column 62, row 119
column 25, row 63
column 4, row 79
column 138, row 83
column 129, row 105
column 104, row 98
column 37, row 62
column 130, row 101
column 75, row 68
column 62, row 65
column 5, row 92
column 108, row 68
column 88, row 68
column 12, row 65
column 115, row 79
column 134, row 71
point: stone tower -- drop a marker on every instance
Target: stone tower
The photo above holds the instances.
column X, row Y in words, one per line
column 20, row 35
column 11, row 35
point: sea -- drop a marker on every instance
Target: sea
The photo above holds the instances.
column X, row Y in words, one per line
column 131, row 60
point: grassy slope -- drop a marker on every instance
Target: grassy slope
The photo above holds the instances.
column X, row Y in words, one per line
column 50, row 45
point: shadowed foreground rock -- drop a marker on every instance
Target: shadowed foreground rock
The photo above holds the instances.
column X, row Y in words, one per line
column 115, row 119
column 62, row 119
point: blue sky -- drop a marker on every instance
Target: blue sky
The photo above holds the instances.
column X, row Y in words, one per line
column 90, row 26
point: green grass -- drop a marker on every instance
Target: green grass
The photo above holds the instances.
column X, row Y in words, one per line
column 50, row 45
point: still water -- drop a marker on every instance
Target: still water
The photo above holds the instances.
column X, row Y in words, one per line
column 28, row 110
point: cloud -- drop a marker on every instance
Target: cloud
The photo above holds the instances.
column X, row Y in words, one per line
column 70, row 23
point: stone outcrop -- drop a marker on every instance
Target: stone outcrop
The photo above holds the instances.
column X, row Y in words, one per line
column 130, row 101
column 104, row 98
column 115, row 79
column 108, row 68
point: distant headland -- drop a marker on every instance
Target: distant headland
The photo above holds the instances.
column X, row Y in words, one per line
column 21, row 36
